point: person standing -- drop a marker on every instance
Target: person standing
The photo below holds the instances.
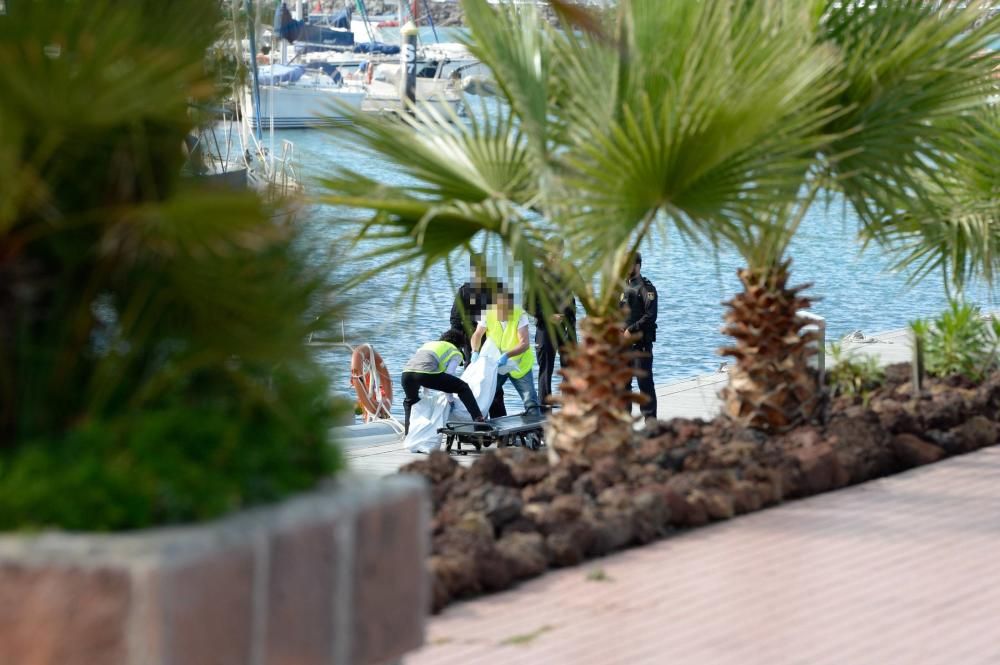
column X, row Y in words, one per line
column 471, row 301
column 434, row 366
column 639, row 299
column 507, row 327
column 557, row 330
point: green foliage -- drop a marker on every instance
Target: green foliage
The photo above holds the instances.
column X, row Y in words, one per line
column 726, row 132
column 179, row 461
column 959, row 341
column 601, row 141
column 853, row 375
column 152, row 330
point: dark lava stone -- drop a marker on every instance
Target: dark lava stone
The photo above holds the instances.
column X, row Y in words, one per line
column 492, row 469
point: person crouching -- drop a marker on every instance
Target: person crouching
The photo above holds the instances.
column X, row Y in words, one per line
column 433, row 366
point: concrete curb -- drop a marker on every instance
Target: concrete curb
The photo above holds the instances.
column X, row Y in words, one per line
column 335, row 576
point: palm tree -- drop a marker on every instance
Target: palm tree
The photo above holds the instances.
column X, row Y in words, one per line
column 716, row 121
column 910, row 76
column 138, row 308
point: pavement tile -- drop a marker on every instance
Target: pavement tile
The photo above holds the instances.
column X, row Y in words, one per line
column 898, row 570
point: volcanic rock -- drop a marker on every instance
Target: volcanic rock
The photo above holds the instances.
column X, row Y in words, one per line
column 912, row 451
column 897, row 417
column 977, row 432
column 499, row 504
column 943, row 410
column 651, row 515
column 568, row 544
column 610, row 529
column 491, row 468
column 436, row 467
column 524, row 553
column 453, row 576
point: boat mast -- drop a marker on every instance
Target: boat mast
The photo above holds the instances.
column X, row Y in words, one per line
column 255, row 81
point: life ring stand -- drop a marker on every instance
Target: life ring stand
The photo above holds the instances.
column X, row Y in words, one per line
column 372, row 383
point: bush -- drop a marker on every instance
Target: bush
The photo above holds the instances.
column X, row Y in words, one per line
column 852, row 375
column 959, row 341
column 153, row 367
column 174, row 462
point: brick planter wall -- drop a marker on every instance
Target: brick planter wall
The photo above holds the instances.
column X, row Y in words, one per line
column 332, row 577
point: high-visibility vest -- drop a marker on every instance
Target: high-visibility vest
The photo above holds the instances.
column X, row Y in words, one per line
column 508, row 339
column 432, row 358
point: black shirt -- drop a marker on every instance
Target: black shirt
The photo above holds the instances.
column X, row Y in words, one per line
column 470, row 301
column 640, row 297
column 564, row 304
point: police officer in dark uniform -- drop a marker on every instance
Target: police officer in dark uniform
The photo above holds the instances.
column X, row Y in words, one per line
column 471, row 301
column 557, row 330
column 639, row 299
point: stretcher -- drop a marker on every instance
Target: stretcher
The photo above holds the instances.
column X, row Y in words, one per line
column 525, row 429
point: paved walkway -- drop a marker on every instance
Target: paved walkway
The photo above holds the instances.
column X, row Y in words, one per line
column 900, row 570
column 697, row 397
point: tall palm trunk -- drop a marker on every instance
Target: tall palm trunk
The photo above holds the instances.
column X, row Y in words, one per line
column 772, row 386
column 596, row 415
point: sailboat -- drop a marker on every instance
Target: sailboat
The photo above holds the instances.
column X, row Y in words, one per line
column 270, row 171
column 288, row 96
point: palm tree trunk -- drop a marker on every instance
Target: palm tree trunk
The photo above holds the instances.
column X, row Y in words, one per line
column 772, row 387
column 596, row 415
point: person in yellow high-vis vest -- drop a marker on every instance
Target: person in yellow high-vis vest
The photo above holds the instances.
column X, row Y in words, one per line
column 433, row 366
column 507, row 326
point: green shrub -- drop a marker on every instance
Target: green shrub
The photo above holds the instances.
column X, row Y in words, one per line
column 853, row 375
column 153, row 367
column 177, row 461
column 960, row 341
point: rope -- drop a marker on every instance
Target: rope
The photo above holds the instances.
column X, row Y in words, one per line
column 430, row 19
column 360, row 4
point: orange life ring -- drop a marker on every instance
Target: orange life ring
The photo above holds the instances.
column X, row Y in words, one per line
column 371, row 381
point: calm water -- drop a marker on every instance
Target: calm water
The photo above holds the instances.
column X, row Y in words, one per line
column 853, row 290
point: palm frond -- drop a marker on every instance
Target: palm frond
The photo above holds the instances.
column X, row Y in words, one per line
column 910, row 68
column 955, row 228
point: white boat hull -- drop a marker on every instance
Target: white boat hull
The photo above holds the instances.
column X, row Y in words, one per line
column 298, row 107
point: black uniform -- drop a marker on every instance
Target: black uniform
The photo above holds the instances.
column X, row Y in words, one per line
column 545, row 345
column 470, row 303
column 640, row 298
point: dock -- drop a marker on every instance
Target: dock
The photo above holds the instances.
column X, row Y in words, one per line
column 695, row 397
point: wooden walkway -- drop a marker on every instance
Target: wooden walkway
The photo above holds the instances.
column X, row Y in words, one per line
column 697, row 397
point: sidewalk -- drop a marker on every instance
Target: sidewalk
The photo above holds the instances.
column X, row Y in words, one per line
column 904, row 570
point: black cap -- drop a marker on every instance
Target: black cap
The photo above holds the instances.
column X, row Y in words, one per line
column 638, row 259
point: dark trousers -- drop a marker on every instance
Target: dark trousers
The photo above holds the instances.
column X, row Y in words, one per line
column 498, row 409
column 545, row 353
column 646, row 385
column 414, row 381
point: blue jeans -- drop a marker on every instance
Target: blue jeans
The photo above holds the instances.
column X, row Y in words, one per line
column 525, row 387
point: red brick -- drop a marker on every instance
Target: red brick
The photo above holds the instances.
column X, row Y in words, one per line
column 63, row 616
column 302, row 584
column 206, row 608
column 391, row 594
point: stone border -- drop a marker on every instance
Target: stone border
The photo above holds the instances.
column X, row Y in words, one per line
column 511, row 515
column 335, row 576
